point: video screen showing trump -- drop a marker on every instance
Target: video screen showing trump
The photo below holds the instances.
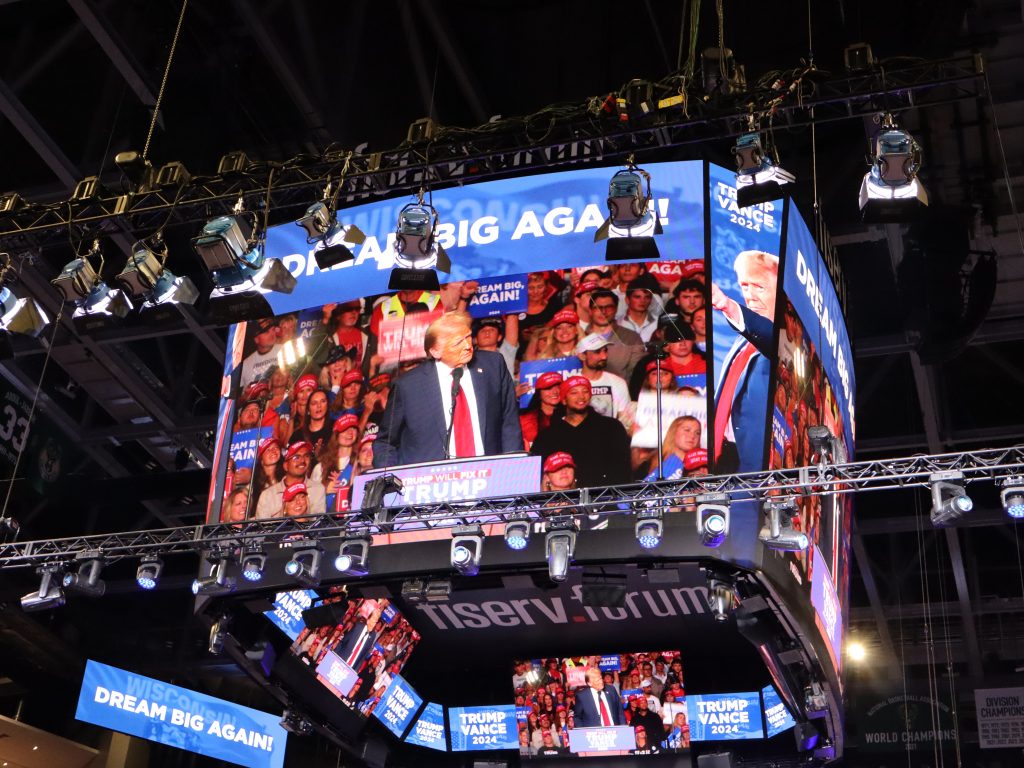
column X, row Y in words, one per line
column 591, row 706
column 560, row 363
column 357, row 658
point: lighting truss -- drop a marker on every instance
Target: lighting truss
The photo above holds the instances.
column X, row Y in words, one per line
column 994, row 464
column 455, row 154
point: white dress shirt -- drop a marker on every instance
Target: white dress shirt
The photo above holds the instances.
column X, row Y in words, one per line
column 444, row 380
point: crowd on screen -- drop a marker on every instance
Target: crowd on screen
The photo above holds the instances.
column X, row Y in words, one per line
column 311, row 416
column 648, row 687
column 372, row 638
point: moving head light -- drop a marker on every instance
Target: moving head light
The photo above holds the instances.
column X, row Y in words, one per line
column 632, row 217
column 417, row 252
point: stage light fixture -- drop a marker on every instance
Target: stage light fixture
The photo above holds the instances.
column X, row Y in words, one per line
column 437, row 591
column 148, row 574
column 517, row 531
column 712, row 518
column 778, row 532
column 374, row 493
column 49, row 595
column 136, row 168
column 560, row 546
column 466, row 549
column 649, row 528
column 97, row 305
column 856, row 652
column 328, row 236
column 822, row 441
column 304, row 566
column 412, row 591
column 24, row 316
column 144, row 276
column 949, row 499
column 11, row 202
column 721, row 594
column 232, row 250
column 173, row 174
column 87, row 580
column 291, row 352
column 353, row 556
column 1012, row 496
column 218, row 633
column 891, row 191
column 253, row 565
column 632, row 217
column 759, row 178
column 218, row 582
column 418, row 254
column 294, row 722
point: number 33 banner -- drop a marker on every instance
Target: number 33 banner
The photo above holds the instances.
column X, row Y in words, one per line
column 43, row 450
column 724, row 716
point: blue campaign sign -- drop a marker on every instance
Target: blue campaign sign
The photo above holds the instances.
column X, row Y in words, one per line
column 611, row 663
column 397, row 706
column 529, row 370
column 616, row 738
column 827, row 611
column 476, row 728
column 494, row 229
column 724, row 716
column 499, row 296
column 288, row 608
column 167, row 714
column 808, row 286
column 429, row 729
column 244, row 443
column 776, row 716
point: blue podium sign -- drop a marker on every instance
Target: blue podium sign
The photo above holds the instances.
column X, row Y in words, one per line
column 167, row 714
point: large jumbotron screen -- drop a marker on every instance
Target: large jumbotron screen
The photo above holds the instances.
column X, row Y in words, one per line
column 752, row 361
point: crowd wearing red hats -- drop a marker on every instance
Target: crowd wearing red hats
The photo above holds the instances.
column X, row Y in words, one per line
column 312, row 422
column 649, row 686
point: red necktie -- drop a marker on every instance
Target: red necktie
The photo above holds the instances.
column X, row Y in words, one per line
column 606, row 717
column 462, row 428
column 728, row 392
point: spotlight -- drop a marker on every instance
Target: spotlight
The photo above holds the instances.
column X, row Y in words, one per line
column 87, row 581
column 253, row 564
column 412, row 591
column 649, row 527
column 218, row 633
column 217, row 583
column 949, row 499
column 136, row 168
column 232, row 250
column 517, row 531
column 437, row 591
column 1012, row 496
column 374, row 493
column 304, row 566
column 294, row 722
column 891, row 191
column 144, row 276
column 328, row 236
column 559, row 546
column 721, row 594
column 417, row 252
column 778, row 533
column 632, row 218
column 148, row 574
column 712, row 518
column 96, row 304
column 49, row 595
column 856, row 652
column 353, row 556
column 173, row 174
column 11, row 202
column 467, row 546
column 758, row 178
column 822, row 441
column 23, row 316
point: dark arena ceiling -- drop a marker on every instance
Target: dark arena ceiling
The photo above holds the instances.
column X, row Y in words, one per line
column 282, row 79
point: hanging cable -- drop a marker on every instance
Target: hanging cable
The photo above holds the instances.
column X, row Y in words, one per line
column 163, row 81
column 928, row 634
column 1006, row 167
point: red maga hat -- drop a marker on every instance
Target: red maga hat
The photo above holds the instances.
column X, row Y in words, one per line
column 294, row 490
column 564, row 316
column 352, row 377
column 574, row 381
column 557, row 461
column 548, row 379
column 346, row 421
column 698, row 457
column 298, row 447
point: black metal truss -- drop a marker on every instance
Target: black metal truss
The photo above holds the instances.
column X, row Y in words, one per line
column 552, row 137
column 887, row 474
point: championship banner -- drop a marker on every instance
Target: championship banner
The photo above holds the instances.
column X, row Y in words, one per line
column 401, row 338
column 724, row 716
column 826, row 607
column 904, row 722
column 398, row 706
column 1000, row 717
column 336, row 674
column 478, row 728
column 464, row 480
column 178, row 717
column 673, row 406
column 615, row 738
column 288, row 608
column 530, row 371
column 776, row 716
column 499, row 296
column 428, row 730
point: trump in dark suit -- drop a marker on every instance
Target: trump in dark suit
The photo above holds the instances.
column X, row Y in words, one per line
column 588, row 710
column 741, row 399
column 486, row 412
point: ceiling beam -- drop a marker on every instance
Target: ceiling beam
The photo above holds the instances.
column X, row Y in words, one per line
column 463, row 75
column 992, row 331
column 868, row 576
column 33, row 133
